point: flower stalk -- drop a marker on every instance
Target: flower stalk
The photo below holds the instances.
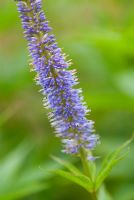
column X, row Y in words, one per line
column 85, row 163
column 94, row 196
column 87, row 172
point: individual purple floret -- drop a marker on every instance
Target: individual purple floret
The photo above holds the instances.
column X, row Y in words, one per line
column 67, row 109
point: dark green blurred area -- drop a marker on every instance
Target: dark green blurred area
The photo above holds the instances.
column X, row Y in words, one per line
column 98, row 35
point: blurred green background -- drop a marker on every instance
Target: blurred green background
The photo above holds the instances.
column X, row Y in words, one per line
column 98, row 35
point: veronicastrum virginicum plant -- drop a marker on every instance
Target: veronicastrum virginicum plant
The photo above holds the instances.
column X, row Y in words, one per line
column 68, row 112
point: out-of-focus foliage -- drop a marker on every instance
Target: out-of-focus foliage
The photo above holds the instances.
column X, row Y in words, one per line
column 99, row 37
column 16, row 179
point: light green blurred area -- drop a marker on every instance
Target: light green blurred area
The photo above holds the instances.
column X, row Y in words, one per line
column 98, row 35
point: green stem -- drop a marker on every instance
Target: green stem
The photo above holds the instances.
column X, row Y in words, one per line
column 85, row 163
column 86, row 170
column 94, row 196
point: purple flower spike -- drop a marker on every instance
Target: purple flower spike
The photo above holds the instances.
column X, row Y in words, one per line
column 68, row 111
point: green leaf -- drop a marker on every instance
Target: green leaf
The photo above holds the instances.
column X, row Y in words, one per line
column 74, row 174
column 67, row 165
column 81, row 180
column 110, row 161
